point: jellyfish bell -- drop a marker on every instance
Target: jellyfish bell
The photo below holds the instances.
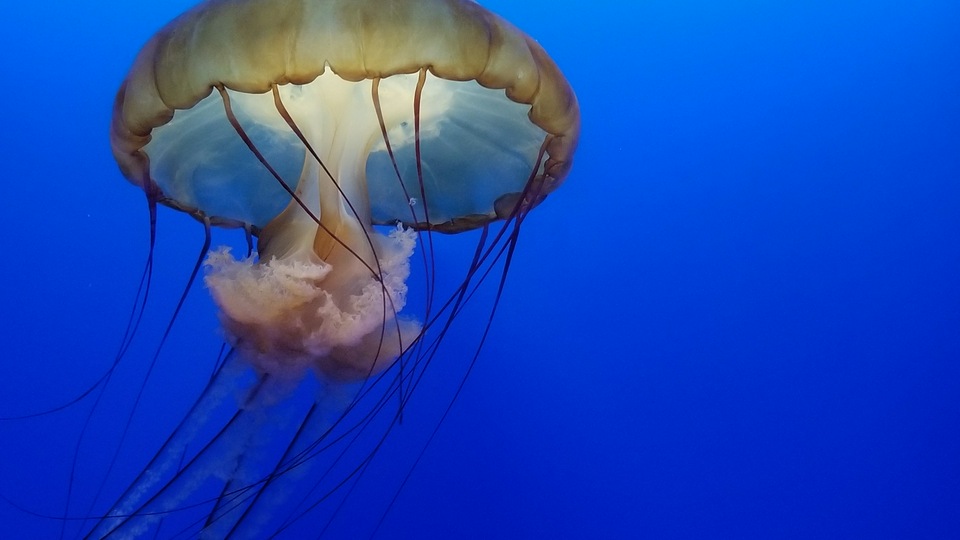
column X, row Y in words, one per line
column 312, row 121
column 343, row 135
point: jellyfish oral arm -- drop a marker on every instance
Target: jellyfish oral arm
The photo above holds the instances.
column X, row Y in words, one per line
column 328, row 287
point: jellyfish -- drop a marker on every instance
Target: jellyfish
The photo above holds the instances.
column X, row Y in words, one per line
column 349, row 140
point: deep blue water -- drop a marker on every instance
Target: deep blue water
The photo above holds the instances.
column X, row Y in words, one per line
column 739, row 318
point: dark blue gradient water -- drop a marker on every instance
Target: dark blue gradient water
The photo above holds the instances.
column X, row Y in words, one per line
column 739, row 318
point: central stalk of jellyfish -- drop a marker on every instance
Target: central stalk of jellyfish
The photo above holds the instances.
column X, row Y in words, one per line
column 323, row 295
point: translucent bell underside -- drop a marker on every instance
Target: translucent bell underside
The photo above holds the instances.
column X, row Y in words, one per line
column 476, row 146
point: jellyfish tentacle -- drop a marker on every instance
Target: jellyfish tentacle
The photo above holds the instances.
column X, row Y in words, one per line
column 514, row 223
column 453, row 305
column 132, row 515
column 482, row 261
column 177, row 439
column 133, row 323
column 298, row 458
column 417, row 97
column 309, row 442
column 153, row 362
column 134, row 318
column 425, row 247
column 317, row 494
column 240, row 495
column 248, row 236
column 303, row 507
column 276, row 474
column 460, row 295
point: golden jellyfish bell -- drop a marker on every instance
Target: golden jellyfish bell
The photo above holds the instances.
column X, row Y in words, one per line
column 311, row 121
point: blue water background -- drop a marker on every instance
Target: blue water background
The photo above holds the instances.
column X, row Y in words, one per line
column 740, row 317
